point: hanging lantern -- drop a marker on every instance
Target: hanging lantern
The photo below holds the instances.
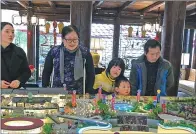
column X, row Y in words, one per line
column 55, row 24
column 54, row 31
column 42, row 22
column 24, row 20
column 47, row 26
column 156, row 38
column 60, row 26
column 143, row 32
column 54, row 34
column 16, row 19
column 34, row 20
column 130, row 31
column 147, row 27
column 137, row 33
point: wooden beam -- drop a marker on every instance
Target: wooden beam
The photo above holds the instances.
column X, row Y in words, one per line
column 12, row 8
column 190, row 4
column 52, row 14
column 65, row 18
column 22, row 4
column 124, row 5
column 4, row 2
column 96, row 4
column 49, row 10
column 152, row 7
column 191, row 12
column 150, row 14
column 107, row 20
column 52, row 4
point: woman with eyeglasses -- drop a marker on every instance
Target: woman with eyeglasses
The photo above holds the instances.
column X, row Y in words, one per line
column 67, row 62
column 14, row 66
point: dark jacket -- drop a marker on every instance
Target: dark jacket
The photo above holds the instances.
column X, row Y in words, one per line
column 14, row 65
column 69, row 59
column 164, row 80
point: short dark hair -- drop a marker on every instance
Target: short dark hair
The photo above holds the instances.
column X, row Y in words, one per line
column 69, row 29
column 116, row 62
column 121, row 79
column 3, row 24
column 151, row 43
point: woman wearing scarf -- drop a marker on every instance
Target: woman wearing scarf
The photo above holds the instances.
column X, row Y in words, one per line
column 15, row 71
column 67, row 62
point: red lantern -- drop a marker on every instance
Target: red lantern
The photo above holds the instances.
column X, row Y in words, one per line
column 54, row 31
column 54, row 24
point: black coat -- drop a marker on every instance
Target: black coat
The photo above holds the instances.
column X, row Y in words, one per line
column 14, row 64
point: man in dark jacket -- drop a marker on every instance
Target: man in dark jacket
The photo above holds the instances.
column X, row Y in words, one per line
column 151, row 72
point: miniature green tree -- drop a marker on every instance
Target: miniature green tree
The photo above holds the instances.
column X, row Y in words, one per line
column 152, row 115
column 135, row 107
column 148, row 106
column 47, row 128
column 104, row 108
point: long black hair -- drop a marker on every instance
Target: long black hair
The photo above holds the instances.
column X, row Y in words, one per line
column 116, row 62
column 69, row 29
column 3, row 24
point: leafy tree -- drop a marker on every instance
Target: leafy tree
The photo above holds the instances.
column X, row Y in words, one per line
column 47, row 128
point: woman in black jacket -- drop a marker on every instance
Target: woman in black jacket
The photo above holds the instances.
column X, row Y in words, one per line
column 14, row 66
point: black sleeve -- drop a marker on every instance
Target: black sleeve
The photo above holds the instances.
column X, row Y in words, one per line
column 26, row 72
column 48, row 66
column 90, row 73
column 133, row 79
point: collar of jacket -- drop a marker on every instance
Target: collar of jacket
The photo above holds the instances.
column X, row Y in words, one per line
column 108, row 76
column 17, row 50
column 8, row 48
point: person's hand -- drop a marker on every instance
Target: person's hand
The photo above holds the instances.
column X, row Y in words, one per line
column 15, row 84
column 4, row 84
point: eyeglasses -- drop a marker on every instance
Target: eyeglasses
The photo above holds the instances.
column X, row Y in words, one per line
column 72, row 40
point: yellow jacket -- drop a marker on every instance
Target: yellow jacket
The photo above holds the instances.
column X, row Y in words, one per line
column 105, row 81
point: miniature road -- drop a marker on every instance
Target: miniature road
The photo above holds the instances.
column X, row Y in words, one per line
column 176, row 130
column 112, row 132
column 170, row 117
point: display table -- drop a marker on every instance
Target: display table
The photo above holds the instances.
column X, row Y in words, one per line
column 63, row 113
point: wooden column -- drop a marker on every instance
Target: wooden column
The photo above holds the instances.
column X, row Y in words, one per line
column 167, row 30
column 186, row 40
column 116, row 38
column 30, row 45
column 194, row 58
column 172, row 37
column 195, row 86
column 188, row 44
column 37, row 53
column 191, row 46
column 81, row 17
column 194, row 54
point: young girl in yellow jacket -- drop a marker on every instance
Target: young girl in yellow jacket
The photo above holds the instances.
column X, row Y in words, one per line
column 106, row 80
